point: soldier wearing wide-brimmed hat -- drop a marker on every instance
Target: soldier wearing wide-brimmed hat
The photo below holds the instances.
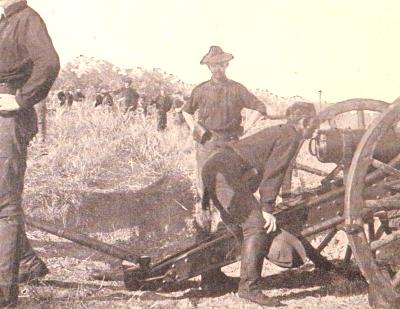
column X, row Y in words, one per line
column 258, row 162
column 219, row 103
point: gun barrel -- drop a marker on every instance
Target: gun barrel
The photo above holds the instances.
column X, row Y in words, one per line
column 87, row 241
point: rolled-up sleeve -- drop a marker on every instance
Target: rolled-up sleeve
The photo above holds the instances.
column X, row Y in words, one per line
column 251, row 101
column 191, row 105
column 45, row 62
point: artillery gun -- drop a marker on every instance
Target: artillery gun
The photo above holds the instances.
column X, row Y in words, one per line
column 360, row 195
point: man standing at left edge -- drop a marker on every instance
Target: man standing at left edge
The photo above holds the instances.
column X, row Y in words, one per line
column 29, row 66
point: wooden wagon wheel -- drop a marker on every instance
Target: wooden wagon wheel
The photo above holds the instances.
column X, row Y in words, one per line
column 328, row 115
column 363, row 213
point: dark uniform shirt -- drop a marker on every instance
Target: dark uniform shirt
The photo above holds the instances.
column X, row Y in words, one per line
column 107, row 100
column 70, row 98
column 163, row 104
column 61, row 97
column 131, row 97
column 220, row 104
column 28, row 61
column 270, row 151
column 79, row 96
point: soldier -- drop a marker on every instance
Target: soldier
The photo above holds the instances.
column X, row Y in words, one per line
column 219, row 102
column 144, row 103
column 129, row 96
column 29, row 66
column 62, row 98
column 178, row 102
column 104, row 98
column 79, row 96
column 163, row 104
column 99, row 98
column 265, row 156
column 107, row 100
column 70, row 96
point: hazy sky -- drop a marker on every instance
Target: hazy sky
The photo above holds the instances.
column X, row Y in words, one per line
column 345, row 48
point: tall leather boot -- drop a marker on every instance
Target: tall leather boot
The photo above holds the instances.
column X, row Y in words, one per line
column 31, row 267
column 9, row 250
column 253, row 252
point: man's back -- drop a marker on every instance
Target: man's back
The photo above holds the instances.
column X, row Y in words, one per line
column 257, row 149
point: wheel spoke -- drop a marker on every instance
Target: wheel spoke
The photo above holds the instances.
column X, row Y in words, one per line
column 371, row 234
column 379, row 243
column 389, row 203
column 327, row 239
column 311, row 170
column 332, row 124
column 347, row 256
column 379, row 232
column 371, row 231
column 361, row 119
column 386, row 168
column 332, row 175
column 384, row 227
column 396, row 279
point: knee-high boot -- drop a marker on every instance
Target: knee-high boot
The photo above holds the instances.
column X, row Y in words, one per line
column 9, row 260
column 31, row 267
column 253, row 253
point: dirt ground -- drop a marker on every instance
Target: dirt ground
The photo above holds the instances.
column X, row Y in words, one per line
column 69, row 286
column 135, row 224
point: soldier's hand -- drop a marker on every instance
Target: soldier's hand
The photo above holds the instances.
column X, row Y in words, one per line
column 270, row 222
column 8, row 103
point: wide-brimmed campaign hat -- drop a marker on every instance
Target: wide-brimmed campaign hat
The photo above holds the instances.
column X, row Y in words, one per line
column 216, row 55
column 285, row 250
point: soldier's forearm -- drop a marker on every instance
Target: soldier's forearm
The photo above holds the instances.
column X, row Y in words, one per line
column 253, row 118
column 276, row 117
column 189, row 120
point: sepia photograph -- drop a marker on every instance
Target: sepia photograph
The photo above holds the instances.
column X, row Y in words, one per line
column 184, row 154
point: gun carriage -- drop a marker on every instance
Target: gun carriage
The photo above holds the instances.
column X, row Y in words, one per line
column 360, row 195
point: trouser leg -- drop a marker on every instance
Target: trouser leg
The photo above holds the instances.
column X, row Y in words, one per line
column 9, row 243
column 30, row 265
column 13, row 241
column 203, row 218
column 41, row 110
column 27, row 255
column 161, row 121
column 233, row 200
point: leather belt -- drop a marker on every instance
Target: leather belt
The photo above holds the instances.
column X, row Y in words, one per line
column 7, row 88
column 223, row 136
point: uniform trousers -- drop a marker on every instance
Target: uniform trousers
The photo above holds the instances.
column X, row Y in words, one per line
column 15, row 249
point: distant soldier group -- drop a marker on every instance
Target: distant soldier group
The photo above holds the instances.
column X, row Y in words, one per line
column 67, row 97
column 128, row 100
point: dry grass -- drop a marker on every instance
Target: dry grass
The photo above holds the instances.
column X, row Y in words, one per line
column 91, row 148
